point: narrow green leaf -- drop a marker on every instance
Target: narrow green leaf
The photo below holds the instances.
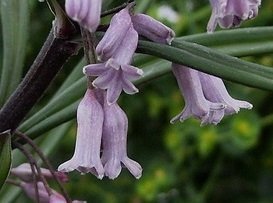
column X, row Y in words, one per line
column 49, row 143
column 73, row 77
column 247, row 49
column 5, row 156
column 236, row 42
column 66, row 114
column 62, row 100
column 224, row 59
column 244, row 74
column 227, row 37
column 153, row 71
column 14, row 18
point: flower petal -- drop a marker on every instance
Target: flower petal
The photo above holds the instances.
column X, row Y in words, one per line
column 95, row 69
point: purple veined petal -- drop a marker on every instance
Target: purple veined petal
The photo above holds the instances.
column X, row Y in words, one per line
column 239, row 8
column 100, row 95
column 131, row 72
column 57, row 198
column 230, row 13
column 127, row 48
column 114, row 89
column 184, row 115
column 94, row 69
column 112, row 168
column 112, row 63
column 86, row 157
column 44, row 197
column 92, row 20
column 229, row 21
column 215, row 91
column 114, row 35
column 212, row 24
column 114, row 152
column 152, row 29
column 29, row 189
column 244, row 104
column 73, row 8
column 84, row 10
column 105, row 80
column 128, row 87
column 196, row 104
column 134, row 167
column 213, row 117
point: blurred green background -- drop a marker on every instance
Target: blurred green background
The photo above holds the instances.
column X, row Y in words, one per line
column 230, row 162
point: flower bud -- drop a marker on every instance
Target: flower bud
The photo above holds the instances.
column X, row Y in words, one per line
column 152, row 29
column 85, row 12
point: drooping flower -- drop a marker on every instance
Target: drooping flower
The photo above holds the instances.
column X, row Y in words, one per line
column 86, row 157
column 196, row 104
column 230, row 13
column 114, row 143
column 152, row 29
column 85, row 12
column 116, row 74
column 25, row 173
column 215, row 91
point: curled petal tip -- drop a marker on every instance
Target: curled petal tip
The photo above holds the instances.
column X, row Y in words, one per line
column 100, row 177
column 140, row 72
column 84, row 70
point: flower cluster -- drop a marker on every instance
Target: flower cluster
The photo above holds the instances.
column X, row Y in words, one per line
column 102, row 125
column 206, row 97
column 116, row 50
column 100, row 122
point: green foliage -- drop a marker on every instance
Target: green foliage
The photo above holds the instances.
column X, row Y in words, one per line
column 5, row 156
column 15, row 21
column 182, row 162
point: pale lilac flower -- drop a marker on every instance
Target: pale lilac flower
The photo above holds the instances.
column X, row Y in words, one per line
column 114, row 143
column 152, row 29
column 230, row 13
column 113, row 37
column 85, row 12
column 116, row 74
column 196, row 104
column 24, row 172
column 44, row 197
column 86, row 157
column 215, row 91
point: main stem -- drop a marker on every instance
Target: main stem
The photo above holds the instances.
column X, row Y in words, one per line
column 53, row 55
